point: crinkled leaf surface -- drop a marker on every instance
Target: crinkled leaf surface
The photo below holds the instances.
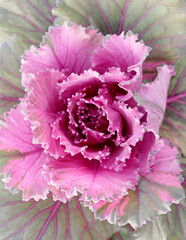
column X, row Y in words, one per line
column 28, row 19
column 155, row 21
column 174, row 127
column 10, row 78
column 167, row 227
column 48, row 220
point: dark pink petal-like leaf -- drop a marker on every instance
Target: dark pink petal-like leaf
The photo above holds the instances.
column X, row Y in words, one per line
column 154, row 194
column 65, row 47
column 79, row 175
column 77, row 82
column 48, row 219
column 126, row 81
column 174, row 127
column 153, row 97
column 133, row 132
column 42, row 105
column 60, row 132
column 23, row 160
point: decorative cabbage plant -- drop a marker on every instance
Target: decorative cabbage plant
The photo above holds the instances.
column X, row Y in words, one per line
column 92, row 119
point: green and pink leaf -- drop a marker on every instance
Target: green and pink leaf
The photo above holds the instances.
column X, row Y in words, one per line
column 155, row 192
column 170, row 226
column 10, row 78
column 126, row 233
column 173, row 126
column 48, row 219
column 27, row 19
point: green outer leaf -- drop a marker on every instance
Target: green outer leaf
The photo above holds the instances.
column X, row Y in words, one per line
column 167, row 227
column 183, row 167
column 28, row 19
column 170, row 226
column 174, row 127
column 125, row 234
column 10, row 78
column 48, row 220
column 155, row 21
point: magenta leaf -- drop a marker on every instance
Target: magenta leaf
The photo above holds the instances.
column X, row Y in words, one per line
column 10, row 78
column 68, row 47
column 42, row 105
column 28, row 19
column 173, row 126
column 48, row 219
column 166, row 227
column 124, row 52
column 21, row 160
column 156, row 22
column 100, row 183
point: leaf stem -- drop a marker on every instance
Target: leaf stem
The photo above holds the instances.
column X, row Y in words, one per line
column 176, row 97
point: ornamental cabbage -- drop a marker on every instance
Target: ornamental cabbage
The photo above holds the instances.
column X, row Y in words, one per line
column 88, row 127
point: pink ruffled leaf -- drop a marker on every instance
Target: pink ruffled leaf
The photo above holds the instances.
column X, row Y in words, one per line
column 66, row 47
column 62, row 125
column 90, row 179
column 156, row 22
column 28, row 19
column 124, row 52
column 154, row 194
column 127, row 81
column 153, row 97
column 146, row 150
column 133, row 131
column 21, row 160
column 60, row 132
column 48, row 219
column 173, row 126
column 42, row 105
